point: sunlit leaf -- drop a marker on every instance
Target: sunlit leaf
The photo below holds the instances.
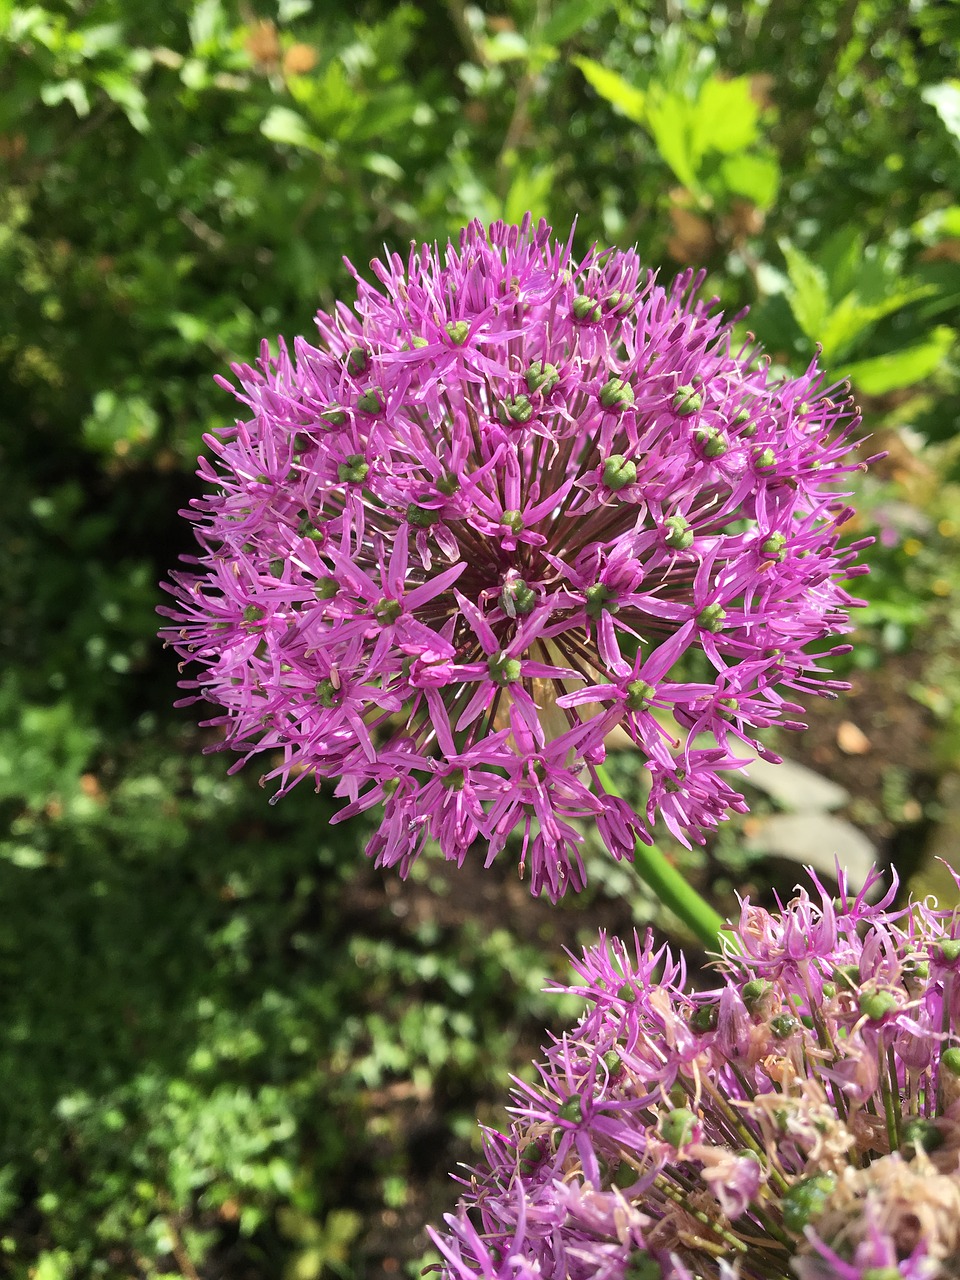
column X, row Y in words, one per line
column 289, row 128
column 945, row 100
column 755, row 177
column 626, row 97
column 808, row 295
column 896, row 369
column 726, row 117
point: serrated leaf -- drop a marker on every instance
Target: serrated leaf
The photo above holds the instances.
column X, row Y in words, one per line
column 896, row 369
column 808, row 296
column 626, row 97
column 852, row 319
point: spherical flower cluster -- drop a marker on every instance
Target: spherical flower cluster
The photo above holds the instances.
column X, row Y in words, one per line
column 496, row 513
column 799, row 1119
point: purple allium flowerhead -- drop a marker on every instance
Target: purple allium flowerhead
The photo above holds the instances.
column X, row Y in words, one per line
column 490, row 517
column 801, row 1118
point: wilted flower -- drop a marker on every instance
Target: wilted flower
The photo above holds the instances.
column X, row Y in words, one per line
column 498, row 511
column 801, row 1118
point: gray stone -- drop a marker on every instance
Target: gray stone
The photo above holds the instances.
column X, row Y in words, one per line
column 814, row 839
column 795, row 787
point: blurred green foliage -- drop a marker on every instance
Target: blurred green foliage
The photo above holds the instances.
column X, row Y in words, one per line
column 213, row 1015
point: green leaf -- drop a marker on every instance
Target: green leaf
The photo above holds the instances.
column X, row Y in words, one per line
column 841, row 259
column 627, row 98
column 289, row 128
column 725, row 118
column 120, row 89
column 755, row 177
column 72, row 91
column 670, row 119
column 505, row 46
column 852, row 319
column 569, row 17
column 889, row 372
column 808, row 296
column 945, row 100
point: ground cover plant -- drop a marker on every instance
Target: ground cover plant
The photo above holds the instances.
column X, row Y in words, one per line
column 230, row 1047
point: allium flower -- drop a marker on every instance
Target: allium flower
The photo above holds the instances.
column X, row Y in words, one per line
column 801, row 1118
column 491, row 516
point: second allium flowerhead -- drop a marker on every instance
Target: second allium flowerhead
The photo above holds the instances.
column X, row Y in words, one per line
column 490, row 517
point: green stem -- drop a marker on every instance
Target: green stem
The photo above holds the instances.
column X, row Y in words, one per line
column 669, row 885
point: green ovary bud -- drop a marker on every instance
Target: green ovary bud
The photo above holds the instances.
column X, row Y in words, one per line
column 307, row 529
column 847, row 976
column 327, row 693
column 530, row 1157
column 639, row 694
column 704, row 1018
column 710, row 618
column 541, row 377
column 679, row 534
column 806, row 1200
column 415, row 343
column 600, row 598
column 449, row 485
column 764, row 459
column 611, row 1060
column 333, row 416
column 457, row 331
column 372, row 401
column 950, row 1061
column 618, row 472
column 619, row 304
column 422, row 517
column 517, row 409
column 875, row 1005
column 711, row 442
column 947, row 950
column 687, row 400
column 517, row 598
column 326, row 588
column 353, row 470
column 677, row 1127
column 616, row 394
column 642, row 1266
column 513, row 520
column 502, row 669
column 755, row 992
column 773, row 547
column 922, row 1135
column 586, row 308
column 253, row 613
column 387, row 611
column 356, row 360
column 571, row 1110
column 783, row 1026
